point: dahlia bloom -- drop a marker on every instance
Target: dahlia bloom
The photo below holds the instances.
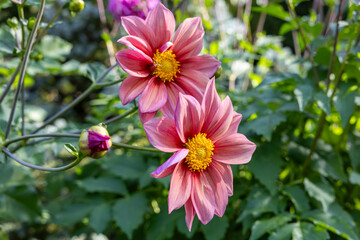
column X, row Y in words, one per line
column 140, row 8
column 161, row 66
column 205, row 141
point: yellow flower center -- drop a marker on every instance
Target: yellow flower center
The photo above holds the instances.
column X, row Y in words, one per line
column 200, row 152
column 166, row 66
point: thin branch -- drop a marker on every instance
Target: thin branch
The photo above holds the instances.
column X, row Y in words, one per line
column 57, row 169
column 67, row 135
column 77, row 100
column 123, row 145
column 124, row 115
column 23, row 109
column 334, row 46
column 21, row 16
column 101, row 85
column 24, row 65
column 13, row 77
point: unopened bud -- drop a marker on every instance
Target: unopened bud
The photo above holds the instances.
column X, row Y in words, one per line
column 95, row 142
column 12, row 22
column 76, row 6
column 31, row 23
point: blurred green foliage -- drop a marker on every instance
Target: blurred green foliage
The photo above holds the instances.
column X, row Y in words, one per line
column 268, row 71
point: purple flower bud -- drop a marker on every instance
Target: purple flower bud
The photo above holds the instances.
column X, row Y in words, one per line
column 95, row 142
column 139, row 8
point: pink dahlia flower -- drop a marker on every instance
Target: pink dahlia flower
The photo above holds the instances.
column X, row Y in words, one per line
column 121, row 8
column 160, row 65
column 205, row 142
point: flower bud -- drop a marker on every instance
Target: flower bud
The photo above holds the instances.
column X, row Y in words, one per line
column 31, row 23
column 12, row 22
column 95, row 142
column 76, row 6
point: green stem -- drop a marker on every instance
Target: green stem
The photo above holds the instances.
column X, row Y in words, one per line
column 21, row 16
column 24, row 65
column 58, row 169
column 13, row 77
column 97, row 86
column 123, row 145
column 69, row 135
column 43, row 32
column 124, row 115
column 77, row 100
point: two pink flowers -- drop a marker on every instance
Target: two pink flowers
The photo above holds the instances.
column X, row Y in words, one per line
column 168, row 73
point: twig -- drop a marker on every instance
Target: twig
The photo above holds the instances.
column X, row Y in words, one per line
column 124, row 115
column 13, row 77
column 24, row 65
column 123, row 145
column 334, row 46
column 67, row 135
column 21, row 16
column 57, row 169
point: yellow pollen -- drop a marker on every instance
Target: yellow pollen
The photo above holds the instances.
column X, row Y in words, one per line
column 166, row 66
column 200, row 152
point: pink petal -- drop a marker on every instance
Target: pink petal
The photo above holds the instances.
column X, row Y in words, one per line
column 219, row 125
column 234, row 149
column 206, row 64
column 134, row 63
column 188, row 38
column 132, row 87
column 193, row 83
column 173, row 90
column 219, row 188
column 137, row 43
column 235, row 123
column 210, row 102
column 161, row 133
column 203, row 198
column 137, row 27
column 190, row 213
column 144, row 117
column 153, row 97
column 162, row 22
column 180, row 186
column 168, row 167
column 188, row 117
column 226, row 174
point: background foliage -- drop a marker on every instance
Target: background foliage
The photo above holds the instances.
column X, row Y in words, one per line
column 292, row 68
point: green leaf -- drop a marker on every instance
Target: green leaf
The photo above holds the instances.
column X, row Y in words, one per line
column 354, row 178
column 182, row 227
column 104, row 184
column 323, row 102
column 71, row 149
column 162, row 225
column 303, row 93
column 323, row 56
column 354, row 153
column 298, row 197
column 128, row 212
column 54, row 47
column 72, row 213
column 329, row 166
column 6, row 172
column 126, row 167
column 322, row 192
column 287, row 27
column 274, row 10
column 283, row 233
column 270, row 156
column 305, row 231
column 277, row 77
column 100, row 217
column 7, row 40
column 345, row 104
column 333, row 224
column 267, row 225
column 216, row 228
column 264, row 125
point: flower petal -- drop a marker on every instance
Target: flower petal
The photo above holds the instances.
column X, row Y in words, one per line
column 132, row 87
column 226, row 173
column 235, row 123
column 136, row 43
column 162, row 134
column 145, row 117
column 134, row 63
column 206, row 64
column 137, row 27
column 219, row 124
column 219, row 188
column 162, row 22
column 203, row 198
column 190, row 213
column 153, row 97
column 173, row 90
column 234, row 149
column 193, row 83
column 188, row 117
column 180, row 186
column 210, row 102
column 188, row 38
column 168, row 167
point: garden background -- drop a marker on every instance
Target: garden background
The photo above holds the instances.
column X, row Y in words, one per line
column 291, row 68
